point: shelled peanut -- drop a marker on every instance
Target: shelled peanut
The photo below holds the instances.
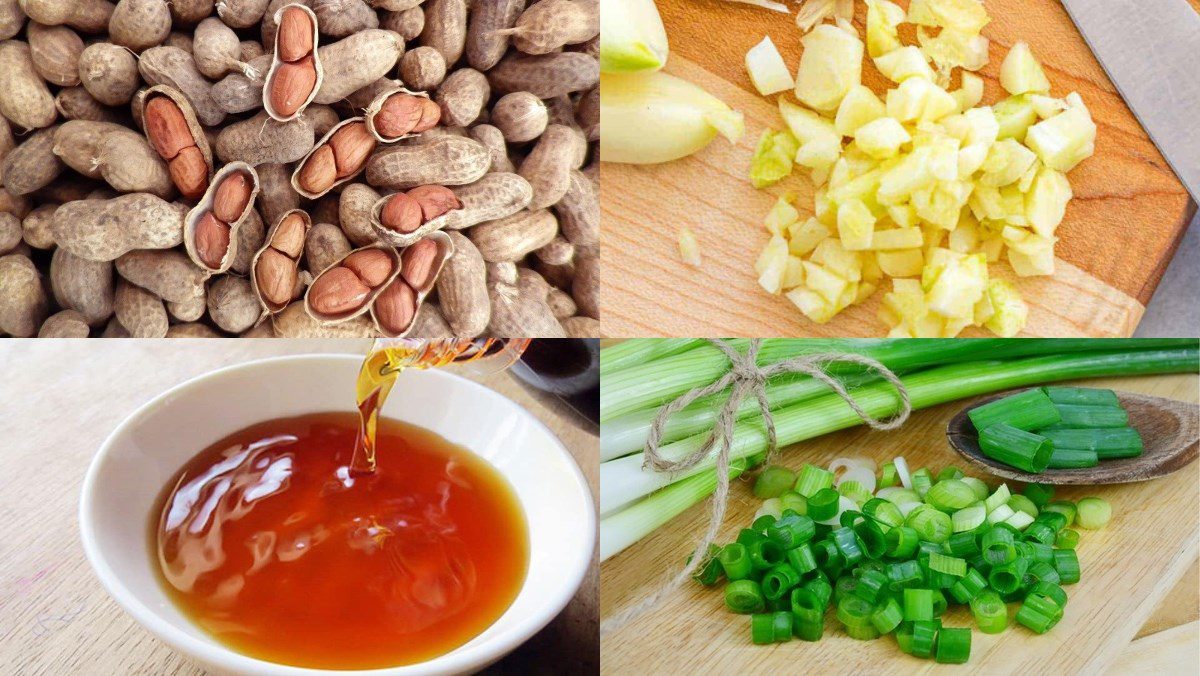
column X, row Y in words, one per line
column 336, row 159
column 211, row 229
column 444, row 140
column 296, row 72
column 405, row 212
column 276, row 269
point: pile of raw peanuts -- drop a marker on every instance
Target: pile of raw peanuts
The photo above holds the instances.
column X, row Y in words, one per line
column 299, row 168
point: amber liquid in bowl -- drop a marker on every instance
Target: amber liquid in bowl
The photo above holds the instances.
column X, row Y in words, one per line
column 268, row 541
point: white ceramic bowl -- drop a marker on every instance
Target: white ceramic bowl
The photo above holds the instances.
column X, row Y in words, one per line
column 146, row 450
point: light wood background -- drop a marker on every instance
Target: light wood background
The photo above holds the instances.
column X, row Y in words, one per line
column 1134, row 611
column 1127, row 218
column 60, row 399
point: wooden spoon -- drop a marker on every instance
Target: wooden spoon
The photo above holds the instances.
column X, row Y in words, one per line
column 1169, row 430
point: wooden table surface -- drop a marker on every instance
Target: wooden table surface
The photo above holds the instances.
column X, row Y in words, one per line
column 1128, row 216
column 60, row 400
column 1134, row 611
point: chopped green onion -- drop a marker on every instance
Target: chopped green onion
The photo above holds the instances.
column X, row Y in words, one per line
column 1039, row 613
column 771, row 627
column 904, row 636
column 1093, row 514
column 977, row 485
column 931, row 525
column 901, row 541
column 887, row 616
column 1040, row 571
column 963, row 544
column 1082, row 396
column 765, row 554
column 1028, row 410
column 808, row 622
column 1067, row 565
column 778, row 581
column 823, row 504
column 848, row 544
column 949, row 472
column 795, row 502
column 1037, row 551
column 950, row 495
column 710, row 572
column 1019, row 520
column 1056, row 521
column 1007, row 578
column 813, row 479
column 820, row 588
column 1076, row 415
column 904, row 574
column 1021, row 503
column 1072, row 458
column 774, row 481
column 762, row 522
column 949, row 565
column 1067, row 539
column 802, row 559
column 735, row 560
column 924, row 634
column 872, row 586
column 853, row 610
column 991, row 614
column 953, row 645
column 1012, row 446
column 888, row 476
column 744, row 597
column 792, row 530
column 999, row 497
column 999, row 515
column 899, row 496
column 1064, row 507
column 883, row 512
column 969, row 586
column 968, row 518
column 844, row 586
column 855, row 491
column 748, row 536
column 918, row 604
column 1108, row 443
column 871, row 539
column 939, row 603
column 1039, row 494
column 1050, row 590
column 921, row 481
column 1040, row 531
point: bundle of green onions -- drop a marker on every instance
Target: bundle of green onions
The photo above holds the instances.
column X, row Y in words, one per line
column 639, row 376
column 1055, row 428
column 892, row 561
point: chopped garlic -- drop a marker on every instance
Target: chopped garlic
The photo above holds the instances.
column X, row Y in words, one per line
column 689, row 248
column 1064, row 140
column 859, row 107
column 772, row 159
column 768, row 72
column 830, row 65
column 921, row 185
column 883, row 17
column 1021, row 73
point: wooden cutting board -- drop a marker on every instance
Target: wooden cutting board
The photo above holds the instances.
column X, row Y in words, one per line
column 1128, row 568
column 1120, row 231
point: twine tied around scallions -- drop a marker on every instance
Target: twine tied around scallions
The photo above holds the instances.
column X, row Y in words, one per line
column 745, row 377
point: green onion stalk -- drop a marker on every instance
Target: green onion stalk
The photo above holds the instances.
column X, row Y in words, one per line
column 624, row 482
column 629, row 398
